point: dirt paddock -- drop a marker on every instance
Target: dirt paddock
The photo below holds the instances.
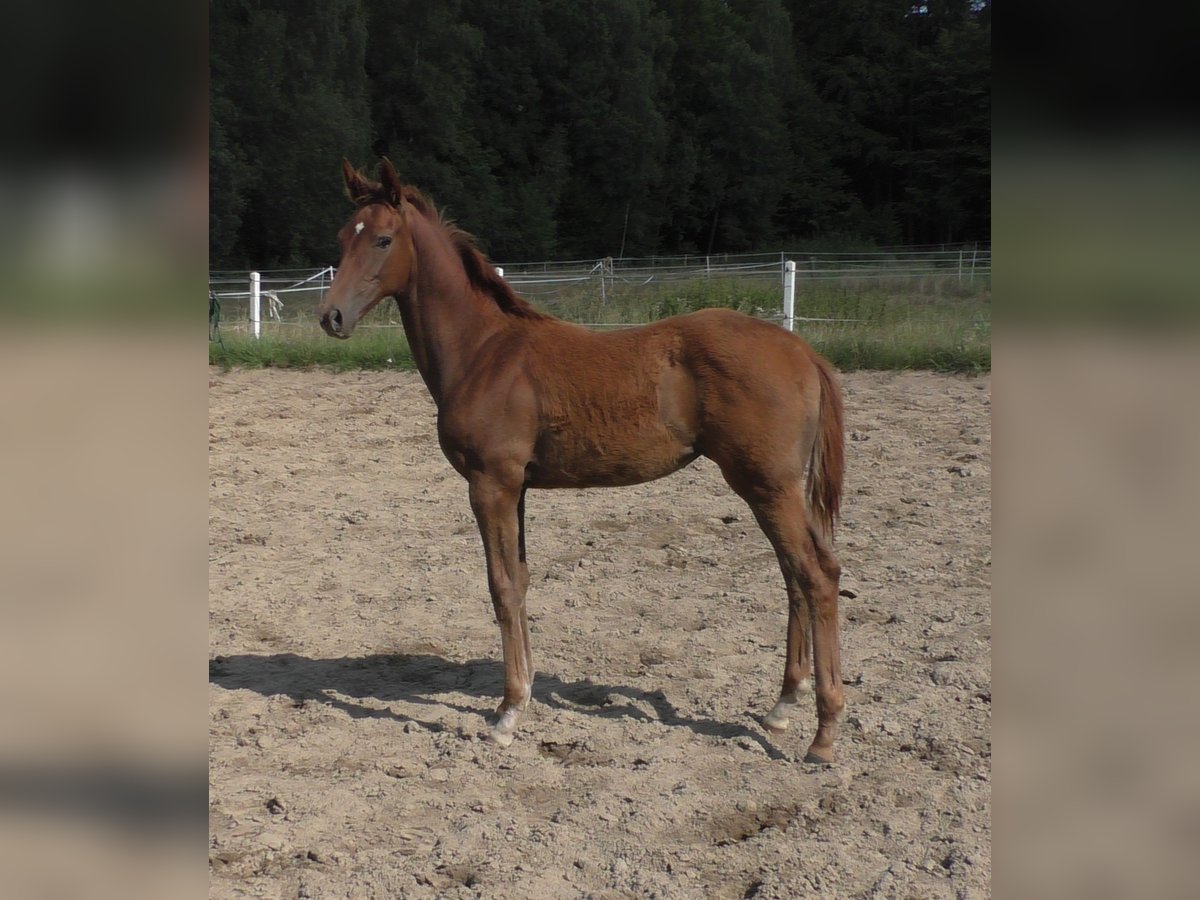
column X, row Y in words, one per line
column 354, row 657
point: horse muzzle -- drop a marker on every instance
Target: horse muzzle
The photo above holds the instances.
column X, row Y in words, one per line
column 333, row 325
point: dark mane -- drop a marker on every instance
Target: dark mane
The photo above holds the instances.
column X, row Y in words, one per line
column 480, row 272
column 482, row 275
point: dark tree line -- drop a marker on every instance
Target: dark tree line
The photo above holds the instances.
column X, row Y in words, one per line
column 586, row 128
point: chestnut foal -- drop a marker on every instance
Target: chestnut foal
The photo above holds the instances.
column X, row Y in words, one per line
column 529, row 401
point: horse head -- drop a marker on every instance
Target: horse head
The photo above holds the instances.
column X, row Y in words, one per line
column 377, row 255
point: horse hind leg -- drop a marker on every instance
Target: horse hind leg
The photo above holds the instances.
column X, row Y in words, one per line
column 823, row 617
column 811, row 573
column 797, row 666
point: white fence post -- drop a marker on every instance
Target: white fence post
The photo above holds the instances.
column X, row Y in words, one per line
column 255, row 304
column 603, row 283
column 789, row 295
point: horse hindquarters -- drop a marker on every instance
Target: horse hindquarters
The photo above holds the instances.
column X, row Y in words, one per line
column 765, row 426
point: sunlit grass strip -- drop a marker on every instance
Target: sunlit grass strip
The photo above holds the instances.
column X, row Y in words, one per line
column 854, row 351
column 946, row 330
column 382, row 349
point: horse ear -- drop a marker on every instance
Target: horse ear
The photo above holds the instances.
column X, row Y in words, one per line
column 357, row 187
column 391, row 182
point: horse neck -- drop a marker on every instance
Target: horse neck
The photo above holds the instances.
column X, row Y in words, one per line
column 445, row 319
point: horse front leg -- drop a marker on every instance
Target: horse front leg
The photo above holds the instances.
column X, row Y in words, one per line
column 497, row 505
column 524, row 584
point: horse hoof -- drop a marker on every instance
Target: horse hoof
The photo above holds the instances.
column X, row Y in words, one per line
column 819, row 757
column 505, row 726
column 501, row 738
column 776, row 721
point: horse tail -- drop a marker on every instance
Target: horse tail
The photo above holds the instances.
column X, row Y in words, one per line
column 827, row 464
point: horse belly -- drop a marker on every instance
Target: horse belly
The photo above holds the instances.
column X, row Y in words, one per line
column 625, row 453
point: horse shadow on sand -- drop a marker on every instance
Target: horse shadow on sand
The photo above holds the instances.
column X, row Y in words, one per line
column 427, row 679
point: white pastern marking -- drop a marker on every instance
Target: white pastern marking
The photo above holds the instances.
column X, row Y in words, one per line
column 359, row 227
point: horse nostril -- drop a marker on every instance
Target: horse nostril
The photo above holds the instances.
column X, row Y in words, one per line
column 332, row 321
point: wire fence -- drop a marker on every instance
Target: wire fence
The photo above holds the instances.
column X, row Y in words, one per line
column 618, row 292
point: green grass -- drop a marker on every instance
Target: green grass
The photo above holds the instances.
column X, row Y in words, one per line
column 941, row 332
column 382, row 349
column 924, row 324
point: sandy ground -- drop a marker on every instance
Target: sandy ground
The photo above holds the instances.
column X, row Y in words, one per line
column 354, row 657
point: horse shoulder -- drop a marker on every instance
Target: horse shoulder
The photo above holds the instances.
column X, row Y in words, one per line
column 491, row 416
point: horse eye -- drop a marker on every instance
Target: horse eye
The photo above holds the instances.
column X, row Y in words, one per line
column 383, row 242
